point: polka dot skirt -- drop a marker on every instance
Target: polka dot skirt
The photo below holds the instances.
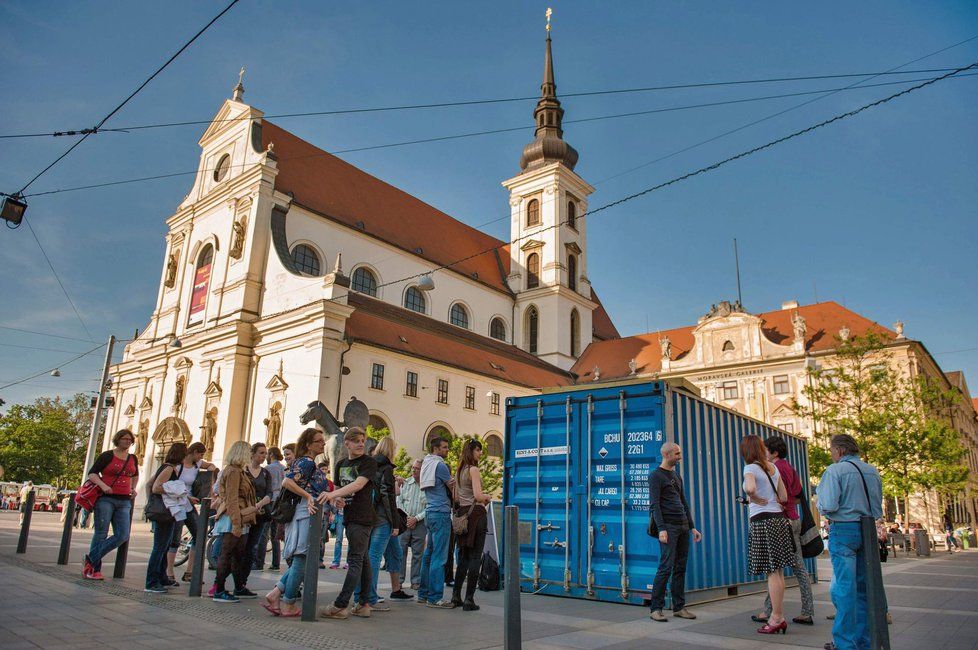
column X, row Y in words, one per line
column 770, row 546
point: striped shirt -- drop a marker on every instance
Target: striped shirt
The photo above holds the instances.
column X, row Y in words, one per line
column 412, row 499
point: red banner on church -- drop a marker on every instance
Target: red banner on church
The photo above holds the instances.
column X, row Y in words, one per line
column 198, row 299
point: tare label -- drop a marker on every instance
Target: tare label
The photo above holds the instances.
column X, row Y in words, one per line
column 544, row 451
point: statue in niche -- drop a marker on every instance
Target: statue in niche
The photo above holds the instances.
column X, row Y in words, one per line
column 237, row 241
column 142, row 437
column 209, row 432
column 798, row 326
column 665, row 346
column 171, row 272
column 179, row 391
column 273, row 424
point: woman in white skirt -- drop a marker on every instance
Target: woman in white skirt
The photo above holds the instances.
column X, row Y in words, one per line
column 770, row 546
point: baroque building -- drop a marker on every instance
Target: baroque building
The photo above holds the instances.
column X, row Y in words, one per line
column 282, row 284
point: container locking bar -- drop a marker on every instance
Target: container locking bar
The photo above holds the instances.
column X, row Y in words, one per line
column 568, row 409
column 548, row 527
column 622, row 405
column 536, row 534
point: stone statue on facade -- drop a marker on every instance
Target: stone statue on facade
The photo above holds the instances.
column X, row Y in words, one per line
column 632, row 366
column 142, row 437
column 179, row 391
column 844, row 333
column 798, row 326
column 237, row 241
column 171, row 272
column 273, row 425
column 898, row 328
column 665, row 346
column 209, row 432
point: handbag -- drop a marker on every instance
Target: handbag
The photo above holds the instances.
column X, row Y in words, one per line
column 155, row 510
column 783, row 513
column 89, row 493
column 460, row 522
column 283, row 508
column 812, row 544
column 401, row 523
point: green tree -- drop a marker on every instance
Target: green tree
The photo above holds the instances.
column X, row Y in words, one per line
column 490, row 469
column 46, row 441
column 402, row 461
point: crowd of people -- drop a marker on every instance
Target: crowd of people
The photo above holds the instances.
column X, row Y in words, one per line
column 376, row 515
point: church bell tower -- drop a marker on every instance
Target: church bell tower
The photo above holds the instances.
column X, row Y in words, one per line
column 548, row 256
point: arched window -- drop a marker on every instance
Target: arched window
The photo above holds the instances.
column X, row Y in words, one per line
column 378, row 423
column 572, row 272
column 497, row 329
column 532, row 271
column 532, row 329
column 494, row 446
column 306, row 259
column 572, row 214
column 458, row 316
column 728, row 346
column 437, row 431
column 363, row 281
column 575, row 333
column 414, row 300
column 202, row 280
column 533, row 213
column 222, row 169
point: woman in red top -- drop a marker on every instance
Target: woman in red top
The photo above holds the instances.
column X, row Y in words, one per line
column 115, row 473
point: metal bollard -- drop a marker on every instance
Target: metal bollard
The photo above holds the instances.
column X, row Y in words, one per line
column 512, row 617
column 200, row 548
column 310, row 581
column 66, row 531
column 879, row 633
column 122, row 553
column 25, row 522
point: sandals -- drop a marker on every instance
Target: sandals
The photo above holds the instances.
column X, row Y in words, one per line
column 274, row 611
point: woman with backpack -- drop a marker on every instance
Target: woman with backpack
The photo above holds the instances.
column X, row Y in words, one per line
column 115, row 473
column 471, row 504
column 163, row 521
column 189, row 474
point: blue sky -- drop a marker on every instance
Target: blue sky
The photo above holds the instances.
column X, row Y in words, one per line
column 877, row 212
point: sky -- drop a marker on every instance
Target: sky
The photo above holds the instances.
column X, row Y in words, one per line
column 876, row 212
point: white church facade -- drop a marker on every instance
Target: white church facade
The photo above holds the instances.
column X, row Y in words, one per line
column 291, row 276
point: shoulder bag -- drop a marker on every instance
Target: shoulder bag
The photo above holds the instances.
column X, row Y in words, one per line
column 283, row 508
column 460, row 521
column 155, row 509
column 89, row 493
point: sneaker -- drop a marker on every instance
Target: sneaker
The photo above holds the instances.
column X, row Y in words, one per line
column 339, row 613
column 400, row 594
column 212, row 591
column 225, row 597
column 442, row 604
column 416, row 586
column 334, row 566
column 170, row 583
column 87, row 568
column 155, row 589
column 322, row 565
column 380, row 599
column 274, row 568
column 421, row 600
column 363, row 611
column 186, row 576
column 381, row 606
column 96, row 575
column 658, row 616
column 684, row 613
column 244, row 592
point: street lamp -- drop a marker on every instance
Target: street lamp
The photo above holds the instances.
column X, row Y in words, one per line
column 426, row 283
column 55, row 373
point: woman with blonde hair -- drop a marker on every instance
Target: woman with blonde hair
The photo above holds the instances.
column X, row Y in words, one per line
column 235, row 516
column 383, row 537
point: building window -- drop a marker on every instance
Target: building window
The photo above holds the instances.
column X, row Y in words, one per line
column 458, row 316
column 470, row 397
column 532, row 271
column 789, row 427
column 411, row 386
column 728, row 346
column 497, row 329
column 533, row 213
column 780, row 384
column 222, row 169
column 443, row 391
column 730, row 389
column 414, row 300
column 377, row 376
column 305, row 259
column 575, row 333
column 494, row 446
column 532, row 329
column 363, row 281
column 572, row 272
column 494, row 405
column 572, row 214
column 202, row 280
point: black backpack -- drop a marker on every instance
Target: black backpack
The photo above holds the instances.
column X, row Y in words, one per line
column 489, row 573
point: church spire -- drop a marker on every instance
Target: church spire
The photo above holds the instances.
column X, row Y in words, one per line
column 548, row 145
column 238, row 94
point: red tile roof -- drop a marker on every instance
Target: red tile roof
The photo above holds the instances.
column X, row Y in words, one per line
column 339, row 191
column 823, row 321
column 394, row 328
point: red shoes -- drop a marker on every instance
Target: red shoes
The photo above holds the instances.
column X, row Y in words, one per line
column 774, row 629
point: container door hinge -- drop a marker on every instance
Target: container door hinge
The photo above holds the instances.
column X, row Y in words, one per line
column 624, row 586
column 536, row 575
column 590, row 583
column 567, row 579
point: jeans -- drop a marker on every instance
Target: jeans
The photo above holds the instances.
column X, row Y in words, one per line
column 271, row 532
column 359, row 574
column 216, row 550
column 255, row 536
column 234, row 560
column 801, row 573
column 85, row 514
column 338, row 533
column 470, row 561
column 850, row 631
column 156, row 565
column 380, row 536
column 118, row 512
column 435, row 555
column 191, row 523
column 291, row 580
column 672, row 561
column 413, row 538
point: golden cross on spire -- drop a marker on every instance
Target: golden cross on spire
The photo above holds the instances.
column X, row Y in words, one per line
column 550, row 12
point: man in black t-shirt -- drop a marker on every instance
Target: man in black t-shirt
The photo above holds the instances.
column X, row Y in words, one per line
column 354, row 479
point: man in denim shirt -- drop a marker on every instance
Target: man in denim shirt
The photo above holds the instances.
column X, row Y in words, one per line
column 849, row 489
column 437, row 483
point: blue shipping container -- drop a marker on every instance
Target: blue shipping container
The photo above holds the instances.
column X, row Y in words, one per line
column 577, row 465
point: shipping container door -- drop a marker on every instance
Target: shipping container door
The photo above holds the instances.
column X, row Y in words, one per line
column 541, row 483
column 623, row 431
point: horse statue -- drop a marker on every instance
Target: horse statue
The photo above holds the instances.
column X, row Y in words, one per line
column 354, row 415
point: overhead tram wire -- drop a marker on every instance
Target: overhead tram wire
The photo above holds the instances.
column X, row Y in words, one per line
column 459, row 136
column 60, row 365
column 474, row 102
column 56, row 336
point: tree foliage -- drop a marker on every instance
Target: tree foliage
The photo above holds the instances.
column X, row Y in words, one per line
column 402, row 460
column 490, row 469
column 46, row 441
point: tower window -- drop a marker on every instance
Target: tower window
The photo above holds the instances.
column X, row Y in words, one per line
column 572, row 214
column 533, row 213
column 532, row 271
column 458, row 316
column 572, row 272
column 363, row 281
column 202, row 280
column 532, row 329
column 414, row 300
column 575, row 333
column 305, row 259
column 497, row 329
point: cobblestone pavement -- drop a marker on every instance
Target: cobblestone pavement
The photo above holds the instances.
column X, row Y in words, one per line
column 933, row 601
